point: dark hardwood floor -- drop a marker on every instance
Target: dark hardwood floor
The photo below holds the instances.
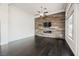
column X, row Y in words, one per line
column 53, row 46
column 38, row 46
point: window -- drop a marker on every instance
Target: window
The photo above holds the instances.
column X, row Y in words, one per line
column 70, row 25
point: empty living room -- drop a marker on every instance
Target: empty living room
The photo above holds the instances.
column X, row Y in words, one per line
column 39, row 29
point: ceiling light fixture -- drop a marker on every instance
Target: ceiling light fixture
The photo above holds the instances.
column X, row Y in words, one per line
column 43, row 12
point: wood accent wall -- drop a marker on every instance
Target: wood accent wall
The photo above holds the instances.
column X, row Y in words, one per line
column 57, row 25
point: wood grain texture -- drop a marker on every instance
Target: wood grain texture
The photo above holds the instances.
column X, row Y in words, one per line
column 57, row 25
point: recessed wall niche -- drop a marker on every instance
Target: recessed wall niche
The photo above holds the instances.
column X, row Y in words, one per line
column 51, row 26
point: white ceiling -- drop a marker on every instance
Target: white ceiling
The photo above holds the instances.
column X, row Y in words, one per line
column 32, row 8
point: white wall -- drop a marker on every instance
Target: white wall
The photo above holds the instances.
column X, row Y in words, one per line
column 16, row 23
column 74, row 42
column 77, row 25
column 21, row 24
column 4, row 23
column 71, row 40
column 0, row 31
column 4, row 26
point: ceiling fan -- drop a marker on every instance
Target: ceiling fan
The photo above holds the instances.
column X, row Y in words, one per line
column 42, row 13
